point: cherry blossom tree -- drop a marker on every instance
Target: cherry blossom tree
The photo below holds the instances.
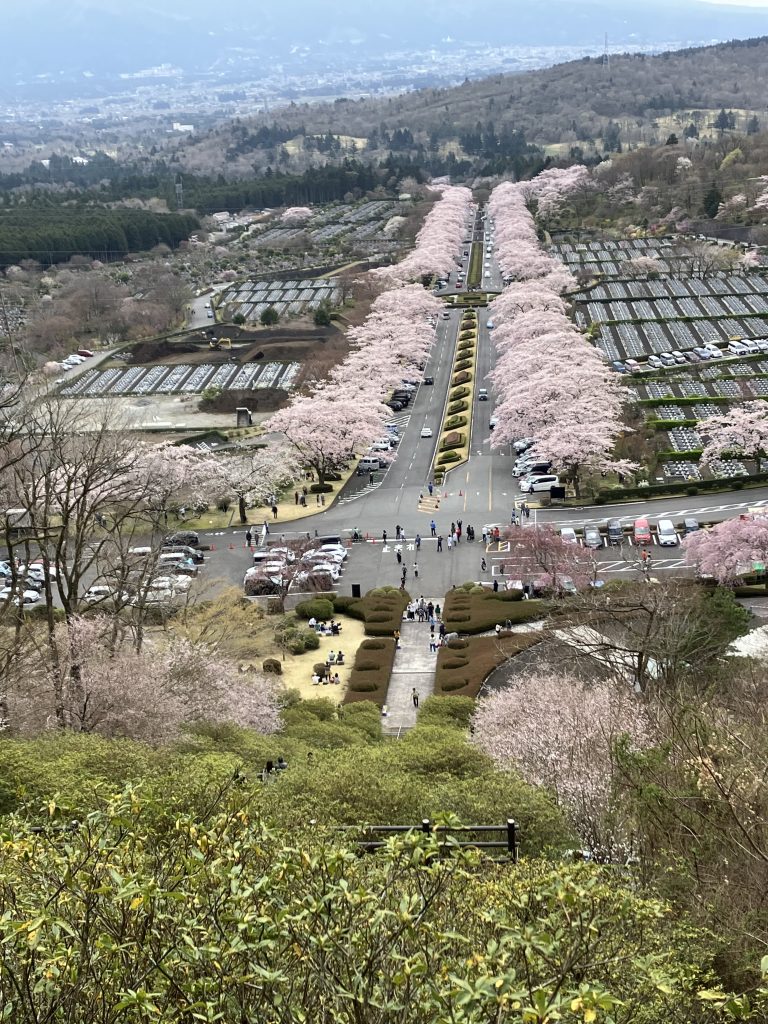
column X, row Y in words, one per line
column 742, row 432
column 113, row 690
column 438, row 241
column 539, row 554
column 296, row 215
column 325, row 430
column 560, row 732
column 252, row 474
column 728, row 552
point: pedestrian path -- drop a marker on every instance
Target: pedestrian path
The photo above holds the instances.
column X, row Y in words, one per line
column 414, row 669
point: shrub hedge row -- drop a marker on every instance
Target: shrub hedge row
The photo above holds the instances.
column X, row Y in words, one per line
column 447, row 457
column 477, row 609
column 462, row 378
column 465, row 664
column 380, row 609
column 456, row 407
column 463, row 364
column 458, row 393
column 371, row 669
column 456, row 422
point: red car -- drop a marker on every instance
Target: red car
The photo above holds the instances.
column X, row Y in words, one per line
column 85, row 352
column 642, row 531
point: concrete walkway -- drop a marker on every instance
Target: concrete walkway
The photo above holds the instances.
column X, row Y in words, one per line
column 414, row 667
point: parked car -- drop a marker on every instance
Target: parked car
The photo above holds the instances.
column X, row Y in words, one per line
column 667, row 359
column 335, row 550
column 12, row 596
column 703, row 353
column 752, row 347
column 187, row 538
column 185, row 550
column 667, row 534
column 615, row 531
column 618, row 366
column 678, row 356
column 691, row 525
column 632, row 365
column 568, row 535
column 691, row 356
column 592, row 537
column 100, row 592
column 714, row 352
column 641, row 531
column 531, row 484
column 655, row 362
column 737, row 348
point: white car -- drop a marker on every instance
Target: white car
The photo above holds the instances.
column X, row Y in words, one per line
column 667, row 534
column 171, row 583
column 336, row 551
column 737, row 348
column 101, row 592
column 282, row 553
column 426, row 432
column 714, row 351
column 568, row 535
column 27, row 596
column 333, row 569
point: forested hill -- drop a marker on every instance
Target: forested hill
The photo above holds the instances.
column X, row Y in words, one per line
column 569, row 103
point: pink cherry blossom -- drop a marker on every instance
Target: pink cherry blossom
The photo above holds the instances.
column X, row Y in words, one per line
column 727, row 551
column 742, row 432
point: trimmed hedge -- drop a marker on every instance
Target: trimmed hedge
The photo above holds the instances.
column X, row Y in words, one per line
column 463, row 666
column 458, row 393
column 453, row 440
column 456, row 422
column 320, row 488
column 462, row 378
column 319, row 607
column 456, row 407
column 447, row 457
column 371, row 669
column 380, row 609
column 463, row 364
column 681, row 487
column 476, row 611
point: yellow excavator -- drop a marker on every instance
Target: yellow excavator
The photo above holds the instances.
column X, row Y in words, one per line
column 218, row 344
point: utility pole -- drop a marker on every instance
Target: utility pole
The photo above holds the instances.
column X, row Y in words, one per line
column 179, row 187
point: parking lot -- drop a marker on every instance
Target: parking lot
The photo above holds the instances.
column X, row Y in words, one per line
column 288, row 298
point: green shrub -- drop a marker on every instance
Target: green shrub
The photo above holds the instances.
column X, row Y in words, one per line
column 455, row 422
column 311, row 640
column 371, row 670
column 465, row 674
column 456, row 407
column 692, row 490
column 463, row 364
column 462, row 378
column 457, row 394
column 455, row 663
column 320, row 488
column 449, row 457
column 317, row 607
column 478, row 612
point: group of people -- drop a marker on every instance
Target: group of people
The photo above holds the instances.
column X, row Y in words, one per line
column 334, row 679
column 323, row 628
column 424, row 611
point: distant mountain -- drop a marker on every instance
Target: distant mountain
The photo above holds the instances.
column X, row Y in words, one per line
column 65, row 38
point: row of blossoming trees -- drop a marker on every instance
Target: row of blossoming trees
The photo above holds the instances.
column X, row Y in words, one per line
column 551, row 383
column 340, row 415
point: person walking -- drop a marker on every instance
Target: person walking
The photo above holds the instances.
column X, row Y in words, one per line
column 458, row 533
column 248, row 537
column 433, row 528
column 266, row 528
column 495, row 586
column 399, row 556
column 439, row 543
column 274, row 511
column 398, row 530
column 527, row 512
column 370, row 479
column 415, row 697
column 383, row 536
column 430, row 488
column 485, row 536
column 418, row 542
column 396, row 635
column 513, row 518
column 450, row 542
column 296, row 497
column 483, row 565
column 415, row 570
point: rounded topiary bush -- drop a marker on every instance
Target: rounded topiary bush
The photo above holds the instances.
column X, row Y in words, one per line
column 462, row 378
column 379, row 616
column 373, row 645
column 458, row 643
column 458, row 393
column 462, row 364
column 320, row 488
column 456, row 408
column 459, row 616
column 454, row 684
column 366, row 666
column 317, row 607
column 362, row 686
column 449, row 457
column 272, row 666
column 455, row 663
column 319, row 668
column 311, row 640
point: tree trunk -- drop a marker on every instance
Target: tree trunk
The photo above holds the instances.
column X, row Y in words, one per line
column 241, row 509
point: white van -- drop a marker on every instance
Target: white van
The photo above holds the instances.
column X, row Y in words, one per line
column 368, row 464
column 539, row 483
